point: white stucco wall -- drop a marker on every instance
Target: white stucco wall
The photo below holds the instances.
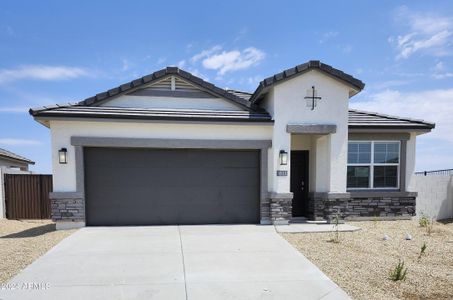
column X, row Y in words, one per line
column 288, row 106
column 172, row 102
column 410, row 161
column 435, row 196
column 61, row 131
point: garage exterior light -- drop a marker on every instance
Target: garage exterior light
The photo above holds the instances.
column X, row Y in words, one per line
column 283, row 157
column 63, row 156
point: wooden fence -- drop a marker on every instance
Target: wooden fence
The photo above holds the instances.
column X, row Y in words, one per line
column 27, row 196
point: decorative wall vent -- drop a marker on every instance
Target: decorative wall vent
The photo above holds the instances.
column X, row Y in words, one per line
column 312, row 98
column 172, row 86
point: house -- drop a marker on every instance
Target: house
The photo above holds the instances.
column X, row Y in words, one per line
column 171, row 148
column 10, row 160
column 10, row 163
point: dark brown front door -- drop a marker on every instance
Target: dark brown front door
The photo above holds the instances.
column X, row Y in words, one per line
column 299, row 182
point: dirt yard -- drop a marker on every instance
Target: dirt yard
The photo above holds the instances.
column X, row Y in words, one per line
column 21, row 242
column 361, row 262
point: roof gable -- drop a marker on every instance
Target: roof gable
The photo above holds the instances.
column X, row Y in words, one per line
column 187, row 80
column 171, row 92
column 355, row 84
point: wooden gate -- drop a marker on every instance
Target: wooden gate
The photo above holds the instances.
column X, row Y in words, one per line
column 27, row 196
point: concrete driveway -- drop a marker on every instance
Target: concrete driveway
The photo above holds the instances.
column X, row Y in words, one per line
column 173, row 262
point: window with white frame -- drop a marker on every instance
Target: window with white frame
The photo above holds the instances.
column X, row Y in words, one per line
column 373, row 164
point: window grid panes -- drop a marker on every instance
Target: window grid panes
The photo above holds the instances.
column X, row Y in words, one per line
column 373, row 164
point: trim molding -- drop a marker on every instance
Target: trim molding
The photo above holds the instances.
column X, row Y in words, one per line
column 397, row 136
column 169, row 143
column 311, row 128
column 326, row 195
column 66, row 195
column 371, row 194
column 387, row 129
column 274, row 195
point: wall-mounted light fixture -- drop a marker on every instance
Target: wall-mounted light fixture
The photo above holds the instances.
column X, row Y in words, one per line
column 63, row 156
column 283, row 157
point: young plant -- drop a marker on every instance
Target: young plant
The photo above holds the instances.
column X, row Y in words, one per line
column 398, row 273
column 423, row 221
column 375, row 221
column 430, row 227
column 422, row 250
column 336, row 237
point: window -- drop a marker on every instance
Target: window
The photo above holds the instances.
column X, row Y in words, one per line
column 373, row 164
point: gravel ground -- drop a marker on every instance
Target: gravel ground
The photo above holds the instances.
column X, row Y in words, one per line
column 22, row 242
column 361, row 262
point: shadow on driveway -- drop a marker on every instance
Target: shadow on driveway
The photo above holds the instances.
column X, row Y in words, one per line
column 32, row 232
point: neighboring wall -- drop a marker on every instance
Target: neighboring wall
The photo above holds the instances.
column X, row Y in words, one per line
column 435, row 195
column 4, row 170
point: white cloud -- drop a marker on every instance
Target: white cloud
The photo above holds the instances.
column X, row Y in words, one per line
column 181, row 64
column 205, row 53
column 431, row 105
column 42, row 72
column 161, row 60
column 19, row 142
column 427, row 33
column 228, row 61
column 439, row 71
column 125, row 65
column 346, row 48
column 326, row 36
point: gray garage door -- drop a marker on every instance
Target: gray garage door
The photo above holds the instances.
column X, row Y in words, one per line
column 161, row 186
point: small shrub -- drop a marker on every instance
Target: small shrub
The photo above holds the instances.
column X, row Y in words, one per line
column 375, row 221
column 422, row 250
column 430, row 227
column 399, row 272
column 424, row 221
column 336, row 236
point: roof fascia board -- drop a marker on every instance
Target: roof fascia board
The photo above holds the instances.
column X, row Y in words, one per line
column 389, row 129
column 167, row 120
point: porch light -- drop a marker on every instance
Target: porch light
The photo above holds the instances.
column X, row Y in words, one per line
column 283, row 157
column 63, row 156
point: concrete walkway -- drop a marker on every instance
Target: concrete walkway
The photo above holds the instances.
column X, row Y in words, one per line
column 173, row 262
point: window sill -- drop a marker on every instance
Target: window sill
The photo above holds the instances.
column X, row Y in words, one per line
column 380, row 193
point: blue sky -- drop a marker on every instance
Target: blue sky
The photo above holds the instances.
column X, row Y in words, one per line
column 64, row 51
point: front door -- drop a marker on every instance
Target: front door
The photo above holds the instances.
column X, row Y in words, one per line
column 299, row 182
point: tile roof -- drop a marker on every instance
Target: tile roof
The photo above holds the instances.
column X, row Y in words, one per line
column 241, row 94
column 88, row 108
column 154, row 114
column 10, row 155
column 312, row 64
column 134, row 84
column 365, row 119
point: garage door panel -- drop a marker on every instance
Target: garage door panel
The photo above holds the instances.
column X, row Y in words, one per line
column 144, row 186
column 178, row 176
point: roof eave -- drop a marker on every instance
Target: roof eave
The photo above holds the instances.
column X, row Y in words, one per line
column 43, row 118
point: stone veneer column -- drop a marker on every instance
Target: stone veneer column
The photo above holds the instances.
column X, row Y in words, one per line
column 68, row 209
column 281, row 208
column 363, row 205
